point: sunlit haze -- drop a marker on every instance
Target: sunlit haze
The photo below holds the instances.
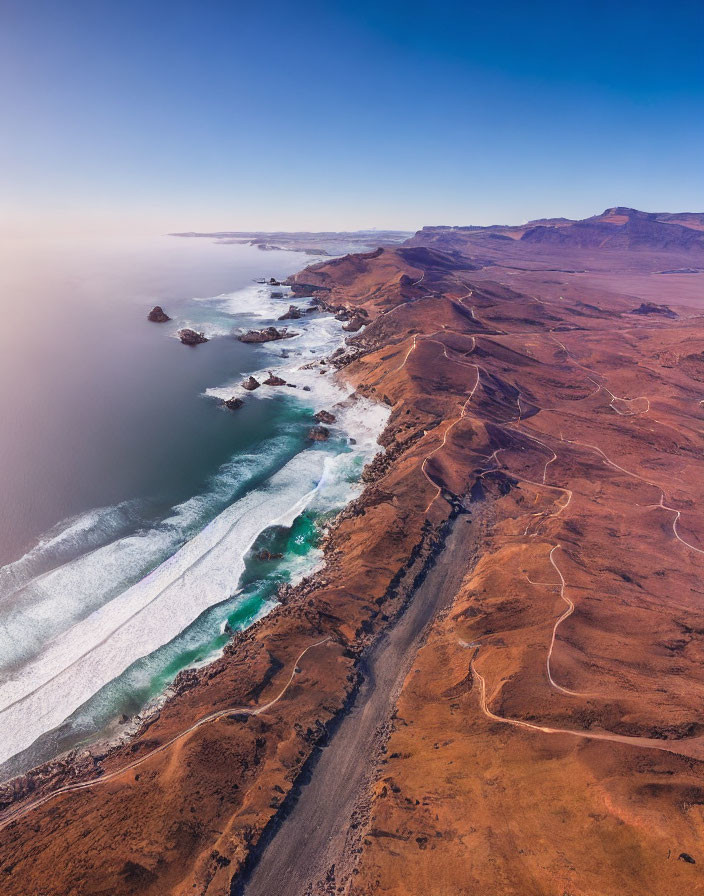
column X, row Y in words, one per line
column 147, row 118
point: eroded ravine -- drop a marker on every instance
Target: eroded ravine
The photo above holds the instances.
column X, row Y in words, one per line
column 315, row 842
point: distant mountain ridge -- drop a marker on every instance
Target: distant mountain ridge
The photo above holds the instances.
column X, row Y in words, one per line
column 615, row 228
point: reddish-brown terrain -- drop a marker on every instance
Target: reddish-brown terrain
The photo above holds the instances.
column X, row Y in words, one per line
column 496, row 683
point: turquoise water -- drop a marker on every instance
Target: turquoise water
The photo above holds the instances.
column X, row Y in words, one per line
column 158, row 562
column 205, row 639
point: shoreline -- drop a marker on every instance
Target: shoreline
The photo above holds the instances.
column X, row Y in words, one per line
column 78, row 763
column 81, row 764
column 117, row 735
column 485, row 401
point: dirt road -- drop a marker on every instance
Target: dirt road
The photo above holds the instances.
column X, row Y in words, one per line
column 311, row 851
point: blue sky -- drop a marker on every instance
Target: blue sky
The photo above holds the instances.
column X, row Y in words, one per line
column 229, row 115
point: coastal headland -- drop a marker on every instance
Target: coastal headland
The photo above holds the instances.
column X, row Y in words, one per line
column 494, row 684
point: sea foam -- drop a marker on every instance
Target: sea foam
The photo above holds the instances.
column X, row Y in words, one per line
column 97, row 649
column 86, row 622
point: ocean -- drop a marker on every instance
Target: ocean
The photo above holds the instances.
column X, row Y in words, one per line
column 134, row 505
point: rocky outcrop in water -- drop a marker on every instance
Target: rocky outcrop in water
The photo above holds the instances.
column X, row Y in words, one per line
column 191, row 337
column 293, row 313
column 318, row 434
column 157, row 315
column 324, row 417
column 250, row 384
column 234, row 404
column 268, row 334
column 273, row 380
column 266, row 555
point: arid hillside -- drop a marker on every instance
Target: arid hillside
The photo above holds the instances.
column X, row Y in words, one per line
column 496, row 683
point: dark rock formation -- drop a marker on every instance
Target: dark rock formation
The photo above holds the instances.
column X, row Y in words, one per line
column 274, row 282
column 356, row 322
column 318, row 434
column 273, row 380
column 234, row 404
column 293, row 313
column 250, row 384
column 653, row 308
column 268, row 555
column 324, row 417
column 191, row 337
column 158, row 315
column 268, row 334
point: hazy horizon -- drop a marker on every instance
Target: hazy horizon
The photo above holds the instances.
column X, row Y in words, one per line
column 126, row 120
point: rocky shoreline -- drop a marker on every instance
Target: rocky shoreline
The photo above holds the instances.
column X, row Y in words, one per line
column 492, row 409
column 87, row 764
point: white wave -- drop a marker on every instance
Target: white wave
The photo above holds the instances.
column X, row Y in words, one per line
column 294, row 360
column 216, row 315
column 48, row 604
column 78, row 635
column 100, row 647
column 317, row 337
column 66, row 540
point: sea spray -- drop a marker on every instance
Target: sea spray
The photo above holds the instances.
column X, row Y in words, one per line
column 126, row 652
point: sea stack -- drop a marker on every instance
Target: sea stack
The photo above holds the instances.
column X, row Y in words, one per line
column 250, row 384
column 233, row 404
column 157, row 315
column 318, row 434
column 268, row 334
column 191, row 337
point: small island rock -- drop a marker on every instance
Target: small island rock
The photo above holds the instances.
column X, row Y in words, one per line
column 324, row 417
column 293, row 313
column 264, row 554
column 157, row 315
column 273, row 380
column 191, row 337
column 318, row 434
column 234, row 404
column 268, row 334
column 250, row 384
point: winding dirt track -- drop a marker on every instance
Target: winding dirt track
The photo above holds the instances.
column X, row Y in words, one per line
column 25, row 809
column 693, row 747
column 614, row 403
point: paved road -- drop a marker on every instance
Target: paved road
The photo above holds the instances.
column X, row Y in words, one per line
column 313, row 836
